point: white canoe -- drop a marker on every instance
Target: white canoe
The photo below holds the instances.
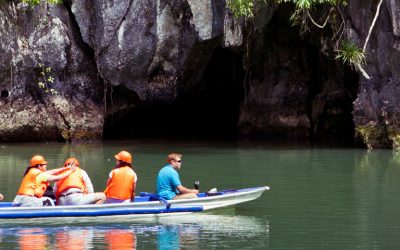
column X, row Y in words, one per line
column 146, row 205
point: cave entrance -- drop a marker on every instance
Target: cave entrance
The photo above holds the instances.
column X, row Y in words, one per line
column 333, row 89
column 208, row 110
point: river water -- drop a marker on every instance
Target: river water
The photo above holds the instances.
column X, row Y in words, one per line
column 319, row 198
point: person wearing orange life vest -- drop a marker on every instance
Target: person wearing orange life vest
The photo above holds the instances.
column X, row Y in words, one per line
column 121, row 183
column 35, row 182
column 77, row 188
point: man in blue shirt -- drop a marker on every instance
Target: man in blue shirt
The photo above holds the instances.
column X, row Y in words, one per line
column 169, row 185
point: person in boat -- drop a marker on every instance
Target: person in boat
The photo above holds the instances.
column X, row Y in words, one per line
column 1, row 197
column 77, row 188
column 35, row 182
column 168, row 183
column 121, row 183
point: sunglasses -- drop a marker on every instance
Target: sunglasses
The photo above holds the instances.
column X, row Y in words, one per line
column 180, row 161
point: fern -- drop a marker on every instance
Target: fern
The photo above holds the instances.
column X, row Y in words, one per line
column 349, row 53
column 241, row 7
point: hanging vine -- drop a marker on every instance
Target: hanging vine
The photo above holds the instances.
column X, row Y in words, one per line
column 346, row 51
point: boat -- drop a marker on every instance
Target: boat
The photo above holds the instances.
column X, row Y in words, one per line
column 145, row 205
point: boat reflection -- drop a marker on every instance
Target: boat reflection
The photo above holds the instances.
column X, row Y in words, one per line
column 186, row 232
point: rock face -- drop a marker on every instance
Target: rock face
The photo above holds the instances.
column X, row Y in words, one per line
column 295, row 94
column 294, row 91
column 111, row 57
column 376, row 109
column 37, row 46
column 145, row 45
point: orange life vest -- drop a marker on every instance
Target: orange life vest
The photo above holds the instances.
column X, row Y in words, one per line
column 120, row 186
column 30, row 187
column 74, row 180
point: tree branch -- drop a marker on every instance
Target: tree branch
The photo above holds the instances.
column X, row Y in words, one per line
column 372, row 25
column 326, row 21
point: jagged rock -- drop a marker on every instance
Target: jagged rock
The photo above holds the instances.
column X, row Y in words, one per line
column 375, row 113
column 153, row 51
column 148, row 46
column 37, row 47
column 56, row 119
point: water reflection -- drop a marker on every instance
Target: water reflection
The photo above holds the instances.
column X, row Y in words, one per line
column 178, row 237
column 120, row 239
column 188, row 232
column 32, row 239
column 78, row 239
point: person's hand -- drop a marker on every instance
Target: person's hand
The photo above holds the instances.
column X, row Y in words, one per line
column 1, row 197
column 72, row 166
column 196, row 191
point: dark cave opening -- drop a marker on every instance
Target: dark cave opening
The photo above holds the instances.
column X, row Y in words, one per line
column 334, row 125
column 332, row 91
column 330, row 87
column 209, row 110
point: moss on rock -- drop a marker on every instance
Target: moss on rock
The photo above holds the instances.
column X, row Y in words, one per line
column 372, row 135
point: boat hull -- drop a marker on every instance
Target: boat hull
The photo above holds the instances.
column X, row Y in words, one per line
column 143, row 207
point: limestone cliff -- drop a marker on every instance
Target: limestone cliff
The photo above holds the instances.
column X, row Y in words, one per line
column 114, row 60
column 36, row 45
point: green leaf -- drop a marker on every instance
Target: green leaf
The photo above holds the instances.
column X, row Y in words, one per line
column 349, row 53
column 37, row 2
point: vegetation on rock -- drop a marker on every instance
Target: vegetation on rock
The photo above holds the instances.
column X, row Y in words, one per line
column 46, row 79
column 37, row 2
column 305, row 10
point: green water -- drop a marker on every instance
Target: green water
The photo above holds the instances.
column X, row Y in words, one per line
column 319, row 198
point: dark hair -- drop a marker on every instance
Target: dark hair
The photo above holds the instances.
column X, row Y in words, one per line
column 123, row 164
column 29, row 168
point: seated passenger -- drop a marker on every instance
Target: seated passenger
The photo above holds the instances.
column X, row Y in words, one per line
column 121, row 183
column 168, row 183
column 35, row 182
column 76, row 189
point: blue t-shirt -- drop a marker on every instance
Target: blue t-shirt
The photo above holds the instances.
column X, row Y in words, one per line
column 167, row 181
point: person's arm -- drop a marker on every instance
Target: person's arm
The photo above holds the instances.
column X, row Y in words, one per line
column 57, row 171
column 1, row 197
column 87, row 181
column 109, row 178
column 133, row 192
column 184, row 190
column 178, row 185
column 48, row 176
column 133, row 188
column 43, row 177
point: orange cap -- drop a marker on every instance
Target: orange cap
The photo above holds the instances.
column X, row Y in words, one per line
column 36, row 160
column 124, row 156
column 71, row 160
